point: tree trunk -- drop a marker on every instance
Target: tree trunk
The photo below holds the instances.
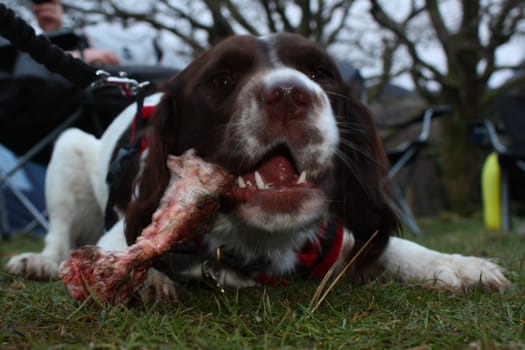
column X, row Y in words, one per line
column 460, row 158
column 461, row 166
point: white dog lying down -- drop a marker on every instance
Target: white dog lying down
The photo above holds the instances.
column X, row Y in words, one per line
column 311, row 178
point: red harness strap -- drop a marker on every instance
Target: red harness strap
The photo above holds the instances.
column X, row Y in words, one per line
column 321, row 266
column 146, row 113
column 315, row 258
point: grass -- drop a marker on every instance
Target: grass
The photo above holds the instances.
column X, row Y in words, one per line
column 380, row 314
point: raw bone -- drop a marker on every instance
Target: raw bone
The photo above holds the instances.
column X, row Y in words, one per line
column 190, row 198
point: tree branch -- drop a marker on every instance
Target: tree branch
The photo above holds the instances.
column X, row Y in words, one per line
column 280, row 10
column 306, row 18
column 441, row 30
column 345, row 6
column 500, row 31
column 221, row 27
column 389, row 49
column 268, row 14
column 399, row 30
column 240, row 19
column 498, row 35
column 147, row 18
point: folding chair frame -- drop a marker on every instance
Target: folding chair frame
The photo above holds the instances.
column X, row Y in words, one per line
column 40, row 218
column 406, row 154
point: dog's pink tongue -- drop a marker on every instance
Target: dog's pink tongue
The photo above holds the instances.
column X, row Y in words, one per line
column 277, row 170
column 277, row 173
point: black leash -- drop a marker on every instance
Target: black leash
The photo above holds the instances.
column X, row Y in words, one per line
column 42, row 50
column 24, row 38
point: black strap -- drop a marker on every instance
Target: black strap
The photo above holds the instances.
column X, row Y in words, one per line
column 117, row 168
column 140, row 123
column 120, row 164
column 24, row 38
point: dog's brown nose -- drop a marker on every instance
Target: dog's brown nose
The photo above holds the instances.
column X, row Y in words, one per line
column 287, row 100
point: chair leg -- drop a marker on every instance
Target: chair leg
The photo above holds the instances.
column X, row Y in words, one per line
column 28, row 205
column 4, row 223
column 505, row 200
column 22, row 198
column 400, row 205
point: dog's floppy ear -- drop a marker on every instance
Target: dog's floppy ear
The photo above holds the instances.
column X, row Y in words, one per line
column 163, row 139
column 362, row 180
column 161, row 136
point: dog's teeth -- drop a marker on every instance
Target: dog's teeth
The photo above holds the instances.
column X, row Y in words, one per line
column 240, row 182
column 259, row 181
column 302, row 178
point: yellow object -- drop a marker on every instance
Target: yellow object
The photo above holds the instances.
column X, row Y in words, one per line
column 490, row 188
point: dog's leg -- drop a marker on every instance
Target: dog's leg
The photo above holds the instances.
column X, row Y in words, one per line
column 412, row 262
column 75, row 216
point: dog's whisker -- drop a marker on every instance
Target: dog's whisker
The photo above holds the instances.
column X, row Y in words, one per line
column 337, row 94
column 354, row 147
column 344, row 158
column 354, row 127
column 351, row 131
column 347, row 123
column 348, row 163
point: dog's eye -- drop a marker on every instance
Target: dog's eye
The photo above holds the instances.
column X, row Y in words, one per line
column 318, row 74
column 223, row 81
column 315, row 73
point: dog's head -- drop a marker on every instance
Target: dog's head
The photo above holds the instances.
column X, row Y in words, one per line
column 275, row 112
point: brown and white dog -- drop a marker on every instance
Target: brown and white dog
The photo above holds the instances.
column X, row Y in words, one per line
column 312, row 178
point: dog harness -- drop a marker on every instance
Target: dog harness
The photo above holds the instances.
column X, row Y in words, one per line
column 119, row 165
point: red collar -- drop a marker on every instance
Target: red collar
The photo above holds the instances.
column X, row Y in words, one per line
column 320, row 255
column 316, row 257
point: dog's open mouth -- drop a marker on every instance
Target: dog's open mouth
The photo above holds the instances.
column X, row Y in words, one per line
column 273, row 185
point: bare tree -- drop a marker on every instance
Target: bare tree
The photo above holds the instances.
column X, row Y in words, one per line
column 464, row 81
column 200, row 24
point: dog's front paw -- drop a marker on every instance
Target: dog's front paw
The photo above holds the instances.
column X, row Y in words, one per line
column 461, row 273
column 157, row 287
column 33, row 266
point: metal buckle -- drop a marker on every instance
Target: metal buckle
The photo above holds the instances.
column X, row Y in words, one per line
column 128, row 87
column 211, row 272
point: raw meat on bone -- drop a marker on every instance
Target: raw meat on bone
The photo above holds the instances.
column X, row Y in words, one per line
column 189, row 200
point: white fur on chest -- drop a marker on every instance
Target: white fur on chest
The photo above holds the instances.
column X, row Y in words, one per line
column 250, row 244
